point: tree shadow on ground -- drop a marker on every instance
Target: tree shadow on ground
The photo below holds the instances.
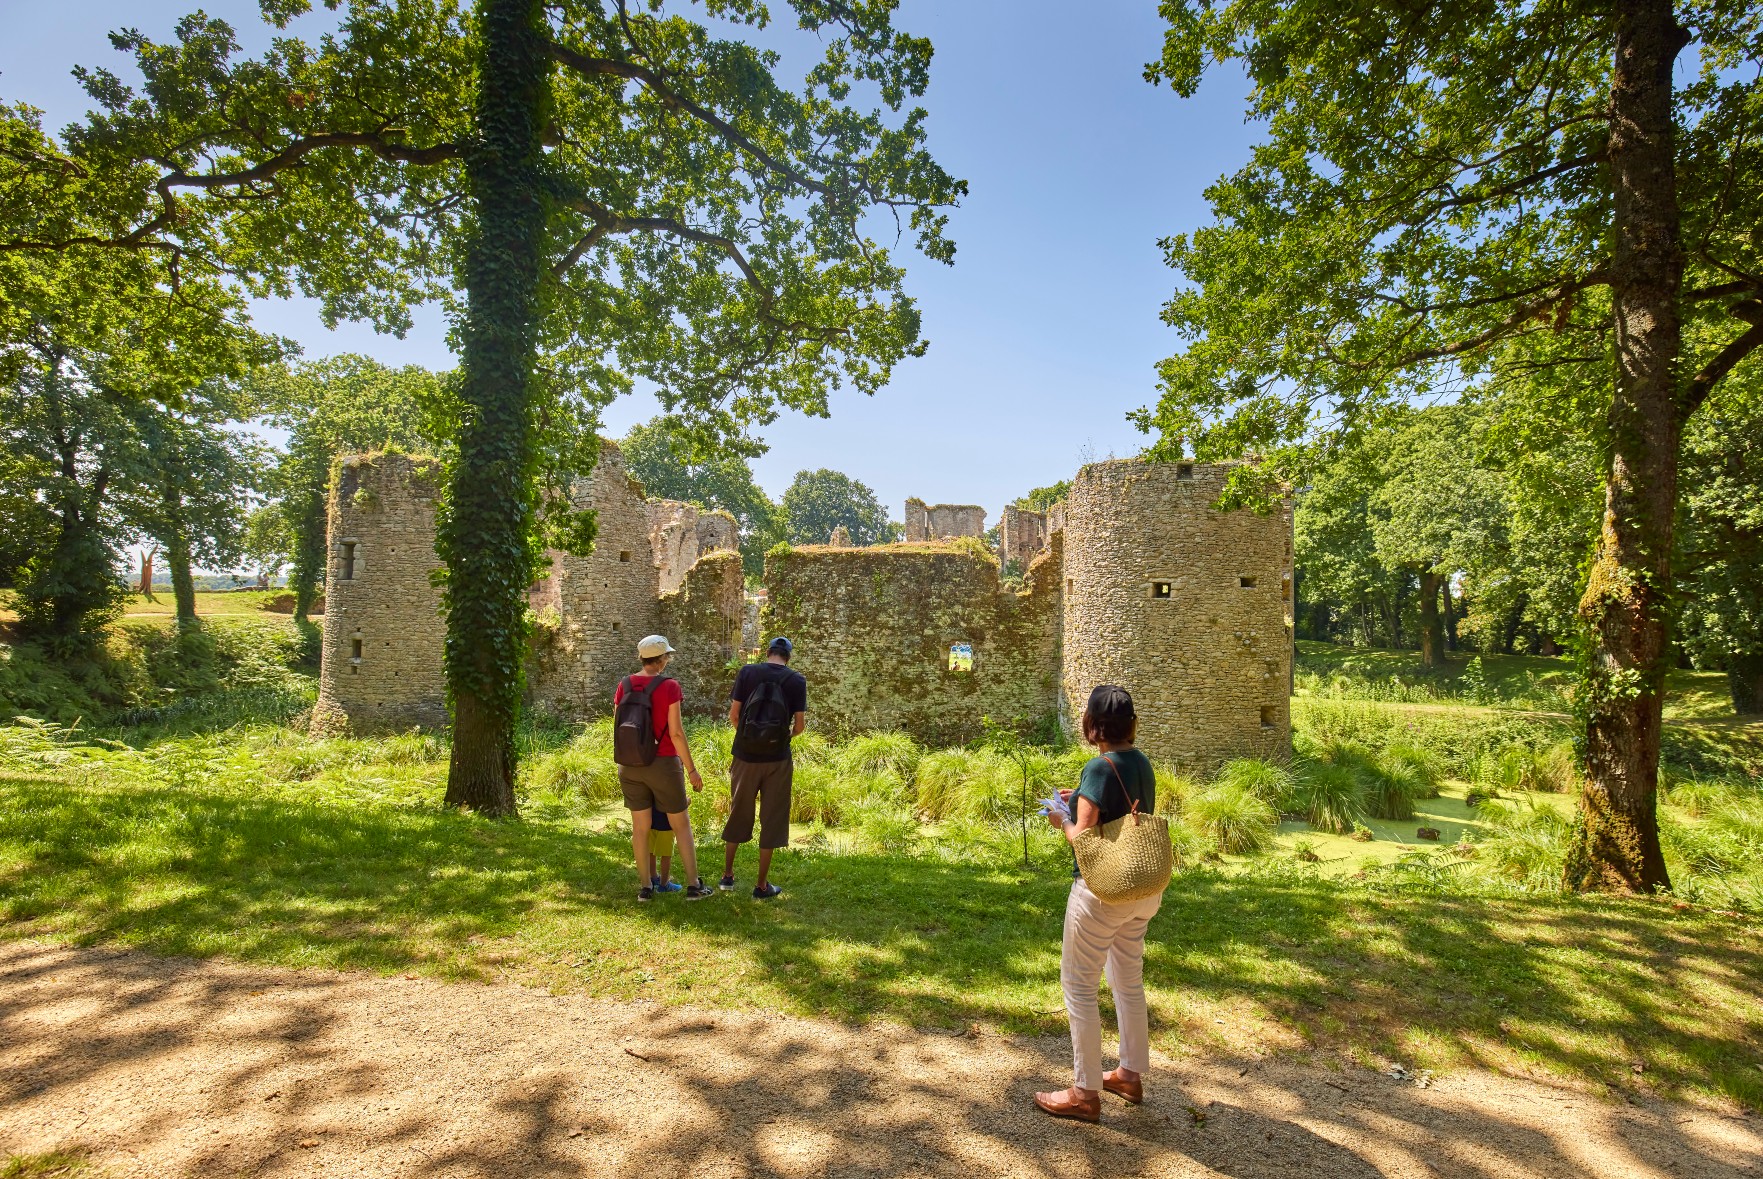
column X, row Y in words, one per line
column 1590, row 988
column 212, row 1069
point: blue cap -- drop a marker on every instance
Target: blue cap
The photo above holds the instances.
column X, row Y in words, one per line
column 781, row 644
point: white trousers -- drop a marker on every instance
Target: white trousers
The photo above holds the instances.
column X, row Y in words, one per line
column 1102, row 937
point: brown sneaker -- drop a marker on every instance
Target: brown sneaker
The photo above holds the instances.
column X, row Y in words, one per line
column 1132, row 1090
column 1063, row 1105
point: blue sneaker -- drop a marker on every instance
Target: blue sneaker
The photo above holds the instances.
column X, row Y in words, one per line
column 669, row 886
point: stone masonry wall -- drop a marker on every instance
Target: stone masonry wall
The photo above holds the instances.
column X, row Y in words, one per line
column 1022, row 534
column 1185, row 606
column 380, row 666
column 943, row 521
column 605, row 601
column 679, row 533
column 873, row 628
column 702, row 620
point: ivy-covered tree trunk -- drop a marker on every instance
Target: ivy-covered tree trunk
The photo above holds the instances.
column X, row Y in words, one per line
column 487, row 531
column 1616, row 845
column 1432, row 623
column 306, row 573
column 1744, row 678
column 183, row 581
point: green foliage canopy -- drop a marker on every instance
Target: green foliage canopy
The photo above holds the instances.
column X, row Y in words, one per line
column 817, row 502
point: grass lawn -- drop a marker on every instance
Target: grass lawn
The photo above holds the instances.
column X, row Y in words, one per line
column 250, row 602
column 359, row 867
column 1530, row 681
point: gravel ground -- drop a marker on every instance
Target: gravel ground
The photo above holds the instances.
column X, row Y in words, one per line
column 167, row 1067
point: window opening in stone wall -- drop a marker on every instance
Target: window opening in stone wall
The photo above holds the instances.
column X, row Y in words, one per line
column 1184, row 470
column 1285, row 588
column 348, row 560
column 1247, row 582
column 961, row 657
column 615, row 626
column 624, row 554
column 1162, row 589
column 355, row 646
column 1267, row 716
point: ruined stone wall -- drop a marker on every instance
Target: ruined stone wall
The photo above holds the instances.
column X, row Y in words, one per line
column 873, row 628
column 380, row 666
column 1022, row 534
column 1187, row 607
column 680, row 533
column 606, row 601
column 702, row 619
column 942, row 521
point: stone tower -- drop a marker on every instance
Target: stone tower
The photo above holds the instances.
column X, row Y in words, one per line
column 383, row 630
column 1185, row 606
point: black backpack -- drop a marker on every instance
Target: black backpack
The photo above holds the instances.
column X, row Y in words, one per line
column 765, row 720
column 633, row 732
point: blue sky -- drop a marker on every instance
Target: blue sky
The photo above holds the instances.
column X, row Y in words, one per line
column 1043, row 334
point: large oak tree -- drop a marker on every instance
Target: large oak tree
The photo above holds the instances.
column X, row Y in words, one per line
column 598, row 191
column 1489, row 190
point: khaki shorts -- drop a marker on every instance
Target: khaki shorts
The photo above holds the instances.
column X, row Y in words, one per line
column 767, row 785
column 660, row 785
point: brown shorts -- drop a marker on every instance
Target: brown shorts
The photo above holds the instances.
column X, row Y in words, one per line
column 660, row 784
column 767, row 784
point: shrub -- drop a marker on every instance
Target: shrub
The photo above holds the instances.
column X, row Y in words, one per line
column 1553, row 770
column 880, row 753
column 584, row 767
column 1235, row 820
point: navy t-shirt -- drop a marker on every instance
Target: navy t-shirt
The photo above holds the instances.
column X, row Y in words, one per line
column 795, row 690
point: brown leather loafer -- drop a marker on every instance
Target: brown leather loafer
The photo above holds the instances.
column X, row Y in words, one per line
column 1132, row 1091
column 1061, row 1105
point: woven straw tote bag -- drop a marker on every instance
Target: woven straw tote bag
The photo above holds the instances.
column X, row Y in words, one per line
column 1128, row 859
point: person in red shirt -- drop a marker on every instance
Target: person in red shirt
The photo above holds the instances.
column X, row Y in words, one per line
column 661, row 785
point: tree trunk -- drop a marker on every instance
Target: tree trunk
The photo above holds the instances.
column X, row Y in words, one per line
column 306, row 573
column 1514, row 619
column 1616, row 844
column 487, row 528
column 1451, row 639
column 183, row 582
column 1744, row 677
column 1432, row 627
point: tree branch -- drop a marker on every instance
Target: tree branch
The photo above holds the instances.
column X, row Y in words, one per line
column 590, row 67
column 1696, row 392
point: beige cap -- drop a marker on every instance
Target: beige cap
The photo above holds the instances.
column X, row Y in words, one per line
column 654, row 646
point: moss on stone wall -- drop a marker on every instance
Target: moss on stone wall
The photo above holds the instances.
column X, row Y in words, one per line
column 873, row 628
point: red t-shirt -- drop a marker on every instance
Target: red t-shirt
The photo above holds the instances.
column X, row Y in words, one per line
column 661, row 702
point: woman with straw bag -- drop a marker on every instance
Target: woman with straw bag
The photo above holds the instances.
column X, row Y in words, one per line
column 1124, row 861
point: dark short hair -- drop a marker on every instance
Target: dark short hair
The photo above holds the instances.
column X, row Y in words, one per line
column 1109, row 715
column 657, row 660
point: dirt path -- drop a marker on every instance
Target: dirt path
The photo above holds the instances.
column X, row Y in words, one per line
column 164, row 1067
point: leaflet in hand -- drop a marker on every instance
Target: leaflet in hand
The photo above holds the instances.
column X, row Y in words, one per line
column 1050, row 804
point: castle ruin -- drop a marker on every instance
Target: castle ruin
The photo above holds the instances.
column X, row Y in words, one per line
column 1135, row 579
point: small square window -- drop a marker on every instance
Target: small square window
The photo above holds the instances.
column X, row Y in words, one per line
column 1162, row 589
column 1247, row 582
column 1267, row 720
column 1184, row 470
column 615, row 626
column 624, row 554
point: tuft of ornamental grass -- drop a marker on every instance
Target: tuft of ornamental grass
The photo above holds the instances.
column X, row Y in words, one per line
column 1269, row 782
column 1419, row 766
column 1553, row 770
column 1698, row 797
column 1234, row 819
column 1330, row 796
column 584, row 767
column 874, row 754
column 1525, row 843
